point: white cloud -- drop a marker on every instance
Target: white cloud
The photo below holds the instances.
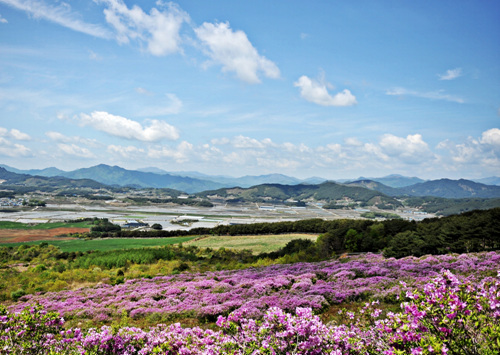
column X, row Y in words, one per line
column 465, row 153
column 317, row 92
column 491, row 137
column 411, row 149
column 353, row 156
column 123, row 127
column 220, row 141
column 14, row 133
column 17, row 134
column 128, row 152
column 277, row 163
column 352, row 141
column 159, row 29
column 56, row 136
column 451, row 74
column 75, row 150
column 433, row 95
column 143, row 91
column 94, row 56
column 174, row 106
column 243, row 142
column 14, row 150
column 483, row 152
column 2, row 20
column 180, row 154
column 60, row 14
column 235, row 53
column 374, row 150
column 334, row 148
column 59, row 137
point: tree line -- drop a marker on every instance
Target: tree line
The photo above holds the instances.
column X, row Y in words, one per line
column 472, row 231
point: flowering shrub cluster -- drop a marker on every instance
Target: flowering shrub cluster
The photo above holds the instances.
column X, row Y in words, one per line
column 307, row 285
column 448, row 316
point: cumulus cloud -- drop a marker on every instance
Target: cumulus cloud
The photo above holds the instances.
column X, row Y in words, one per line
column 14, row 133
column 94, row 56
column 75, row 150
column 159, row 33
column 411, row 149
column 59, row 137
column 402, row 154
column 491, row 137
column 352, row 141
column 277, row 163
column 242, row 142
column 17, row 134
column 56, row 136
column 13, row 150
column 180, row 154
column 60, row 14
column 433, row 95
column 128, row 152
column 317, row 92
column 159, row 29
column 220, row 141
column 235, row 52
column 483, row 151
column 143, row 91
column 123, row 127
column 173, row 106
column 451, row 74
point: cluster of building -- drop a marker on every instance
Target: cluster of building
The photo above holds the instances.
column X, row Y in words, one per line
column 134, row 224
column 11, row 202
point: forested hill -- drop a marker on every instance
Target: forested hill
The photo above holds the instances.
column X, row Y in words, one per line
column 451, row 189
column 327, row 191
column 444, row 188
column 25, row 182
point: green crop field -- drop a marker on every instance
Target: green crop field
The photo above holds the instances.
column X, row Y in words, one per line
column 107, row 244
column 19, row 225
column 256, row 243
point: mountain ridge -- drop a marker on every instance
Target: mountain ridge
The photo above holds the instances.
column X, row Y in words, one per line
column 187, row 182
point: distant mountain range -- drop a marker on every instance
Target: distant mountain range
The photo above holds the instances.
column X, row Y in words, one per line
column 194, row 182
column 444, row 188
column 116, row 176
column 190, row 182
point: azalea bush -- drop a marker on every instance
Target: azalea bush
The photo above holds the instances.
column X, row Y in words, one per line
column 205, row 296
column 446, row 316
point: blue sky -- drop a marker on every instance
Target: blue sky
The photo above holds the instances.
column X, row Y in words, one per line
column 337, row 89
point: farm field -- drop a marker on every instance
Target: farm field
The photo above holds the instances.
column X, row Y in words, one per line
column 43, row 226
column 13, row 236
column 256, row 243
column 16, row 232
column 75, row 245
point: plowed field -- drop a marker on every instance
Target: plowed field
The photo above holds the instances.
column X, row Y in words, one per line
column 19, row 235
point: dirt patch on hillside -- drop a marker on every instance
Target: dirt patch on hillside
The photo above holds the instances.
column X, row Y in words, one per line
column 19, row 235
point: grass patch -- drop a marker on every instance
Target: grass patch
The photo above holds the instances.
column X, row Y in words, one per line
column 256, row 243
column 24, row 226
column 107, row 244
